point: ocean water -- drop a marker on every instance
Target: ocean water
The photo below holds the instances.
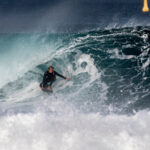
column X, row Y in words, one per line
column 105, row 105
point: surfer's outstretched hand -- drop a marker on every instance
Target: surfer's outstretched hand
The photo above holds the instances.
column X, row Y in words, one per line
column 68, row 78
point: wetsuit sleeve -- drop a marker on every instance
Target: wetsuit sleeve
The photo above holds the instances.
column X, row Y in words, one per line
column 60, row 75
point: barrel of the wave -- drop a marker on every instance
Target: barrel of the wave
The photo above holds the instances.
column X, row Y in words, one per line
column 145, row 7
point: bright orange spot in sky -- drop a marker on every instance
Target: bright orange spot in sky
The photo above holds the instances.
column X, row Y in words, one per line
column 145, row 7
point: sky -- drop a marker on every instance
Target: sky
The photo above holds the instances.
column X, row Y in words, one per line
column 40, row 15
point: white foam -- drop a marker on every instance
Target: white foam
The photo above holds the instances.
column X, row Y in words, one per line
column 115, row 54
column 90, row 68
column 75, row 131
column 144, row 65
column 28, row 92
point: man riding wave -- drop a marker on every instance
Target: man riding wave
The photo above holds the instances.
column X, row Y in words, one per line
column 49, row 78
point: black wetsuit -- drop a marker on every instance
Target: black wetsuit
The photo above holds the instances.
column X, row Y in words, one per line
column 49, row 78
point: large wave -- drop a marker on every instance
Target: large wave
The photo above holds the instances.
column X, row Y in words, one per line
column 107, row 96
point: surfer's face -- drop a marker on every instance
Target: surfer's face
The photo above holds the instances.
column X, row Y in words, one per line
column 50, row 70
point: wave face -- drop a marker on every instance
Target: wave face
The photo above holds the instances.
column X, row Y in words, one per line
column 106, row 101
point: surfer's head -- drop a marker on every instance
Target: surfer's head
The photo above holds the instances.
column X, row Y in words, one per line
column 50, row 69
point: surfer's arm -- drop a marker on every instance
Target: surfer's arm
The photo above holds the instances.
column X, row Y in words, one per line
column 60, row 75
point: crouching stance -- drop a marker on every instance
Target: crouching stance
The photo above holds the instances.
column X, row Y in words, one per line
column 49, row 78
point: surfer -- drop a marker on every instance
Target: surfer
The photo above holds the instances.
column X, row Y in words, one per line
column 49, row 78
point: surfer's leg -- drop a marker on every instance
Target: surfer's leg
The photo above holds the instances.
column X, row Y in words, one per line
column 41, row 86
column 50, row 86
column 49, row 89
column 44, row 87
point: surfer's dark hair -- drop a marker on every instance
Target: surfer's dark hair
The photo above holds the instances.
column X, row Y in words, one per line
column 50, row 67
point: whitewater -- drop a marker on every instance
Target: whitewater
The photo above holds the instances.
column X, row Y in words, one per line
column 105, row 105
